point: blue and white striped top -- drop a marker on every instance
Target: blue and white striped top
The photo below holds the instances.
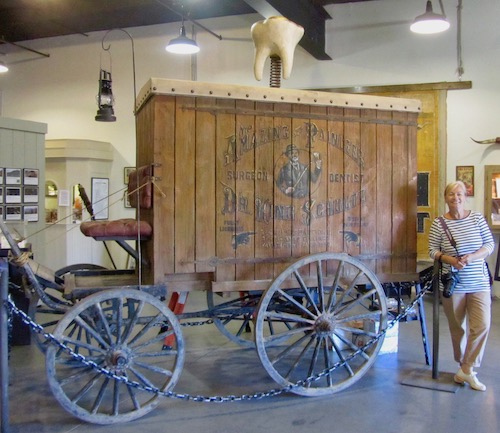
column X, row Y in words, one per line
column 470, row 234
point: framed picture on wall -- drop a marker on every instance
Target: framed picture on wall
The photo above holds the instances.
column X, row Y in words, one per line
column 13, row 176
column 126, row 172
column 465, row 173
column 30, row 194
column 100, row 199
column 1, row 175
column 12, row 195
column 1, row 195
column 13, row 213
column 30, row 176
column 31, row 213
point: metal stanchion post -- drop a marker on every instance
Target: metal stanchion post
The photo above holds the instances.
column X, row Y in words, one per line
column 4, row 346
column 435, row 319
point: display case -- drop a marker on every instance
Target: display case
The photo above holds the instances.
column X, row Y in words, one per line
column 492, row 196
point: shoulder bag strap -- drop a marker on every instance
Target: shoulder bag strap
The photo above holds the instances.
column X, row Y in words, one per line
column 448, row 233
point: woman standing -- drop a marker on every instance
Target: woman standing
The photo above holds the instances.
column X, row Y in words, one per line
column 471, row 298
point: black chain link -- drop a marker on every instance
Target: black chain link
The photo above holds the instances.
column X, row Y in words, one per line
column 11, row 307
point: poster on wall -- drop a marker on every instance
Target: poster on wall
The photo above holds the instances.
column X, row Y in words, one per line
column 100, row 191
column 465, row 173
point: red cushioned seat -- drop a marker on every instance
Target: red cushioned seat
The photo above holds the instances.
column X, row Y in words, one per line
column 125, row 228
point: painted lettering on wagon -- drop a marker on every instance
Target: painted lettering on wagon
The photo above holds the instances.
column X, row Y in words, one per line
column 247, row 140
column 315, row 134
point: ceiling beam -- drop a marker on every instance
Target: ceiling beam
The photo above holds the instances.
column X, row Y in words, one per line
column 301, row 12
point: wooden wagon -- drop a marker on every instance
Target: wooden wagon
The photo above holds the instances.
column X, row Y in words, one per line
column 287, row 207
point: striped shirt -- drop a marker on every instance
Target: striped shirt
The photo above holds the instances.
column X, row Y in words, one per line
column 470, row 234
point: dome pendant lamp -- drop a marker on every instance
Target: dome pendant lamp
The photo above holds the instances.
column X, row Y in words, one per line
column 182, row 44
column 430, row 22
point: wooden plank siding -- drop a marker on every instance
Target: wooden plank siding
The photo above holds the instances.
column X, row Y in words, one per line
column 231, row 208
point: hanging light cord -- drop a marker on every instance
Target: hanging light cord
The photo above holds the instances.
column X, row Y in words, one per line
column 139, row 249
column 460, row 68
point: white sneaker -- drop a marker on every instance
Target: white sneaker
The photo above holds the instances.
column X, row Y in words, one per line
column 471, row 379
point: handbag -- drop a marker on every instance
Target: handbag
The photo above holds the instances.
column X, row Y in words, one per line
column 454, row 245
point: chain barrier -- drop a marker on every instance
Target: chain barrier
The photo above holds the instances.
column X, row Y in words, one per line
column 11, row 307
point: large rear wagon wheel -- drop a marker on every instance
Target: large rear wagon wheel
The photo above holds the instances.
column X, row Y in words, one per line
column 321, row 312
column 121, row 330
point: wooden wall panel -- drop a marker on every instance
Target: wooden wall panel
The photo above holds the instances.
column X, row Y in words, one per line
column 384, row 191
column 264, row 187
column 205, row 183
column 225, row 209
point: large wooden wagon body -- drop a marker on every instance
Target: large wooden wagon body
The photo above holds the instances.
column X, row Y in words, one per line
column 232, row 206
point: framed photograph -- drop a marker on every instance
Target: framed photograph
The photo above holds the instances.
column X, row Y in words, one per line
column 1, row 195
column 126, row 199
column 126, row 172
column 13, row 213
column 30, row 176
column 12, row 195
column 30, row 213
column 100, row 197
column 13, row 176
column 1, row 175
column 465, row 173
column 30, row 194
column 1, row 212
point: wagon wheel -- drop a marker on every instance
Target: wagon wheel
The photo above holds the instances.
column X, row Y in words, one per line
column 46, row 316
column 233, row 314
column 319, row 313
column 121, row 330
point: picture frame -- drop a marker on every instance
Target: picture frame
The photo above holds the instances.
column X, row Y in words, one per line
column 13, row 213
column 1, row 195
column 12, row 195
column 100, row 197
column 13, row 176
column 30, row 213
column 30, row 194
column 465, row 173
column 1, row 175
column 126, row 173
column 30, row 176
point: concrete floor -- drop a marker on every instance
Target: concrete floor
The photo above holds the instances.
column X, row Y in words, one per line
column 214, row 366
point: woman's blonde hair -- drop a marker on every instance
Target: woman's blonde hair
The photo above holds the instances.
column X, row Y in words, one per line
column 453, row 185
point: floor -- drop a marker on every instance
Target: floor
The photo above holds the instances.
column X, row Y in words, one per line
column 388, row 398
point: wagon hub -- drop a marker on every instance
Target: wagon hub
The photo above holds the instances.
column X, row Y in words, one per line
column 324, row 325
column 118, row 359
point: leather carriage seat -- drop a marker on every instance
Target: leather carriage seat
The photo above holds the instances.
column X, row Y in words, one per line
column 140, row 192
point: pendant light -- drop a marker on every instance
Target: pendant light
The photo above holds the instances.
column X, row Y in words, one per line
column 182, row 44
column 430, row 22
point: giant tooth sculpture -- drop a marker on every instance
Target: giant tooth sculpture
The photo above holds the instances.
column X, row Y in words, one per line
column 275, row 37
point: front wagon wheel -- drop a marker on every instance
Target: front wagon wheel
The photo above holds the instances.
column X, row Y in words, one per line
column 122, row 331
column 320, row 319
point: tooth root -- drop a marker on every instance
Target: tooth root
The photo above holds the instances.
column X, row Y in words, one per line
column 275, row 36
column 261, row 55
